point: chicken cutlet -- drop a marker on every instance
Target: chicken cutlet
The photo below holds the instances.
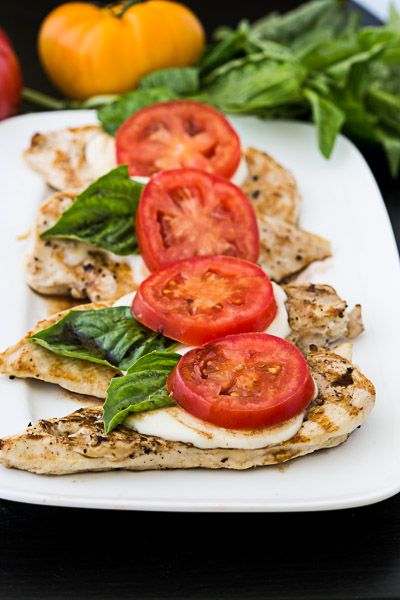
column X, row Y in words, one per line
column 271, row 188
column 77, row 443
column 71, row 158
column 55, row 266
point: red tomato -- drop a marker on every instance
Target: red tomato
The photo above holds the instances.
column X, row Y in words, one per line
column 243, row 381
column 180, row 133
column 10, row 79
column 187, row 212
column 200, row 299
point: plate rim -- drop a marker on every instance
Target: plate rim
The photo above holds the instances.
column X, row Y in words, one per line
column 173, row 505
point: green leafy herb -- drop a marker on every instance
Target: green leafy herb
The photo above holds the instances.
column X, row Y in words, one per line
column 107, row 336
column 315, row 62
column 245, row 85
column 288, row 27
column 182, row 81
column 103, row 214
column 328, row 118
column 230, row 44
column 111, row 116
column 142, row 388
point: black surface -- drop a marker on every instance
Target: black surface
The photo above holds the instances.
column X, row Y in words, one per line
column 48, row 553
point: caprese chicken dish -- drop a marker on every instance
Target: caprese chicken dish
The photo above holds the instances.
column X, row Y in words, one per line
column 199, row 342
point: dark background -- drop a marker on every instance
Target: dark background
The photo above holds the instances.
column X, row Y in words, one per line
column 48, row 552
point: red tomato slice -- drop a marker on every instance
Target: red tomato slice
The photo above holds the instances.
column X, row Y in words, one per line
column 243, row 381
column 187, row 212
column 200, row 299
column 180, row 133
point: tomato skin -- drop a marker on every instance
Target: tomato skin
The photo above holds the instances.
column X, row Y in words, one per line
column 178, row 133
column 288, row 393
column 206, row 215
column 10, row 79
column 200, row 299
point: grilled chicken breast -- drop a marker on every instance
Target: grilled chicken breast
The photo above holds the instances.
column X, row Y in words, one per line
column 316, row 313
column 77, row 442
column 271, row 188
column 71, row 158
column 28, row 360
column 285, row 249
column 318, row 316
column 66, row 267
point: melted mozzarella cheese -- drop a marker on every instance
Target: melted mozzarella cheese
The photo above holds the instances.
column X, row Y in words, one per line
column 240, row 174
column 100, row 154
column 177, row 425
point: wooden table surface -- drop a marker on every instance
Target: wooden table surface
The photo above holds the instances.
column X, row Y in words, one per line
column 48, row 553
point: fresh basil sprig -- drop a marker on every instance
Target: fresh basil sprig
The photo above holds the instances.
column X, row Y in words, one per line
column 112, row 115
column 315, row 62
column 107, row 336
column 103, row 214
column 143, row 388
column 181, row 80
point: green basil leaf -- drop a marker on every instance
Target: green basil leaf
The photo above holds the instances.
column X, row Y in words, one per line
column 183, row 80
column 394, row 18
column 330, row 51
column 255, row 82
column 386, row 105
column 111, row 116
column 142, row 388
column 103, row 214
column 289, row 26
column 340, row 71
column 107, row 336
column 328, row 118
column 231, row 44
column 391, row 145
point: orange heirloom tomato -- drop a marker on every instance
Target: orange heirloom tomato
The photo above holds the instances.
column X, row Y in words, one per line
column 87, row 50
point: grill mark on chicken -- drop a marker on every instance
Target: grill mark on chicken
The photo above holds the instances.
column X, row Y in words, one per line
column 285, row 249
column 56, row 266
column 318, row 316
column 271, row 189
column 77, row 442
column 28, row 360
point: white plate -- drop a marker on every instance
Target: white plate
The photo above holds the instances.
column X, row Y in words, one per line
column 341, row 202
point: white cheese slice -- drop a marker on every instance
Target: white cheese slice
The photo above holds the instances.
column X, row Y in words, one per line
column 100, row 154
column 177, row 425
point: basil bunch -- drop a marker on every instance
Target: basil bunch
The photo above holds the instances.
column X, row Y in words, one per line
column 314, row 62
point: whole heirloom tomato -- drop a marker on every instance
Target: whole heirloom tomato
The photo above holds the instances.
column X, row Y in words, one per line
column 87, row 50
column 10, row 78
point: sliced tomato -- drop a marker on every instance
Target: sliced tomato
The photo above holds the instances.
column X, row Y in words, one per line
column 187, row 212
column 203, row 298
column 243, row 381
column 180, row 133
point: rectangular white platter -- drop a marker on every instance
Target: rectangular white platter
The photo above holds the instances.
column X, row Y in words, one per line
column 341, row 202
